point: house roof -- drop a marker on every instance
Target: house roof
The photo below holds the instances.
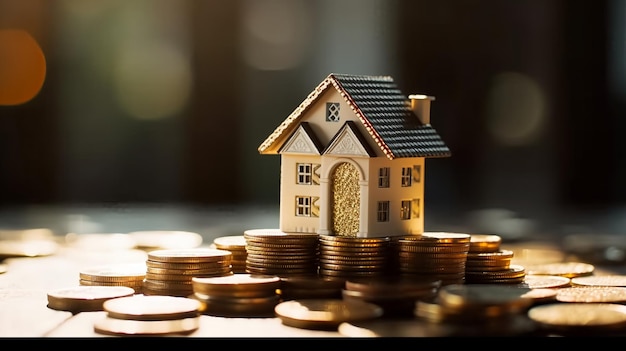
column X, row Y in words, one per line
column 382, row 109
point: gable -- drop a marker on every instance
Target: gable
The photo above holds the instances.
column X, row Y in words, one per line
column 302, row 141
column 382, row 110
column 349, row 142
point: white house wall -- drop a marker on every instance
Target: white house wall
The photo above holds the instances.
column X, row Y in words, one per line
column 395, row 194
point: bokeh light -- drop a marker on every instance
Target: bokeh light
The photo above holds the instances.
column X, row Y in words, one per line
column 275, row 33
column 152, row 80
column 22, row 67
column 515, row 109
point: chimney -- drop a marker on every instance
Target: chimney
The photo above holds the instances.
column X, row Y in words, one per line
column 420, row 104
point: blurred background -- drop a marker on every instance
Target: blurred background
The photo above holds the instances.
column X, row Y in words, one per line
column 160, row 102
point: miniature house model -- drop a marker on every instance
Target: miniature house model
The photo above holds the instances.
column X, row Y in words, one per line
column 352, row 159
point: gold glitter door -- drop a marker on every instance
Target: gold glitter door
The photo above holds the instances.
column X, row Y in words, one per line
column 346, row 200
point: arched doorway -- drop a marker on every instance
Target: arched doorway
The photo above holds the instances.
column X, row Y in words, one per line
column 346, row 200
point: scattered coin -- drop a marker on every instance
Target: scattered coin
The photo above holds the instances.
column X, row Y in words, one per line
column 3, row 268
column 564, row 269
column 546, row 281
column 126, row 327
column 600, row 280
column 580, row 318
column 85, row 298
column 324, row 313
column 27, row 248
column 608, row 294
column 152, row 308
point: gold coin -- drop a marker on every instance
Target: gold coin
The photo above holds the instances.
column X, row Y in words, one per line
column 580, row 316
column 151, row 308
column 120, row 272
column 484, row 242
column 610, row 294
column 546, row 281
column 324, row 313
column 600, row 280
column 236, row 282
column 27, row 248
column 125, row 327
column 85, row 298
column 564, row 269
column 195, row 255
column 230, row 242
column 473, row 295
column 217, row 265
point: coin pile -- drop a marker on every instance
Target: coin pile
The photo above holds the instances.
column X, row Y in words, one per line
column 237, row 295
column 85, row 298
column 484, row 309
column 119, row 274
column 349, row 257
column 169, row 271
column 397, row 297
column 488, row 263
column 274, row 252
column 237, row 245
column 141, row 315
column 437, row 255
column 310, row 287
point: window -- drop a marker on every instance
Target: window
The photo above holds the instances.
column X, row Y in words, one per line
column 383, row 177
column 304, row 173
column 415, row 208
column 406, row 176
column 417, row 173
column 303, row 206
column 332, row 112
column 405, row 210
column 383, row 211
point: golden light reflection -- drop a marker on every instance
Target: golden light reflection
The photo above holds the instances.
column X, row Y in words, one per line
column 22, row 67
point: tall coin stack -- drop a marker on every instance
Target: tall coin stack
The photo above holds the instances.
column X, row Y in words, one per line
column 349, row 257
column 274, row 252
column 437, row 255
column 488, row 263
column 169, row 272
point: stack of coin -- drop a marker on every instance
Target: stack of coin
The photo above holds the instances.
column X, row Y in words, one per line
column 488, row 263
column 483, row 309
column 396, row 296
column 350, row 257
column 169, row 272
column 310, row 287
column 85, row 298
column 238, row 295
column 437, row 255
column 274, row 252
column 141, row 315
column 237, row 245
column 119, row 274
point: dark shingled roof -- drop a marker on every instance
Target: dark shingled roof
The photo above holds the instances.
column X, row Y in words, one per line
column 390, row 115
column 384, row 111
